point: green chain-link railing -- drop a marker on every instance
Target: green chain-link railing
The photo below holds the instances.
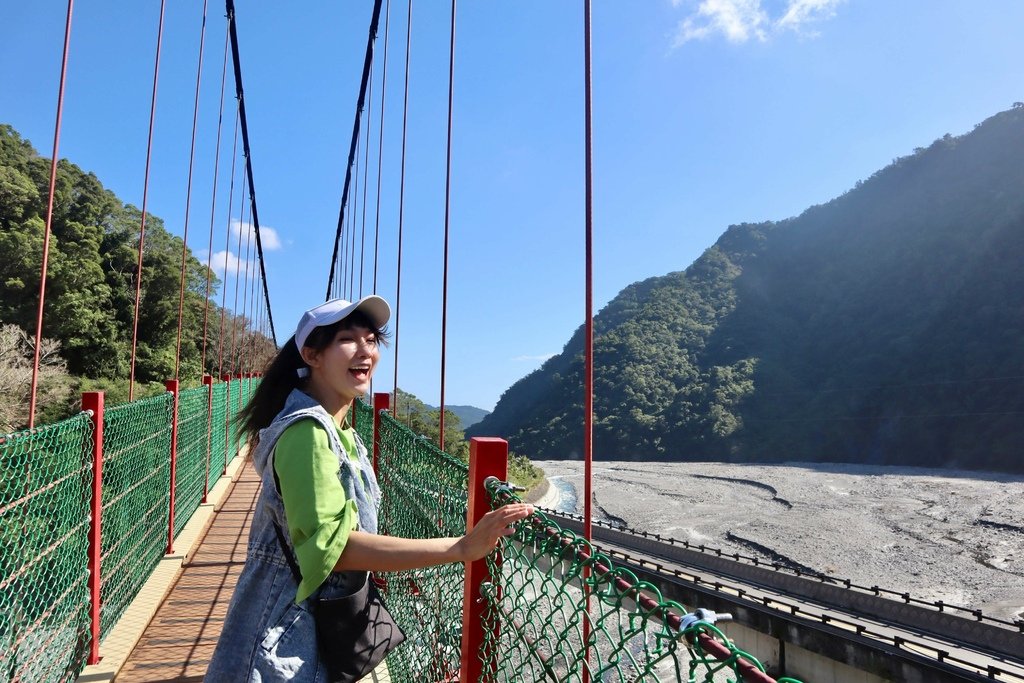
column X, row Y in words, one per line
column 190, row 463
column 45, row 494
column 364, row 424
column 536, row 607
column 218, row 433
column 236, row 401
column 136, row 496
column 45, row 484
column 423, row 496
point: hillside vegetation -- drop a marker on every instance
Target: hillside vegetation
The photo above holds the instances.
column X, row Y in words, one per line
column 885, row 327
column 90, row 292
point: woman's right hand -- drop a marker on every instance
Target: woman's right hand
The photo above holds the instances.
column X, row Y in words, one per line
column 493, row 526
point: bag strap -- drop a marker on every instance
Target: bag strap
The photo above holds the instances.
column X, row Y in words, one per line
column 292, row 564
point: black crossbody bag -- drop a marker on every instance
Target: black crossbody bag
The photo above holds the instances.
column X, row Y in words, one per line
column 353, row 633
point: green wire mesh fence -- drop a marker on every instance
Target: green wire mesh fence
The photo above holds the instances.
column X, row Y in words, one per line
column 45, row 485
column 218, row 433
column 423, row 496
column 136, row 497
column 236, row 400
column 364, row 423
column 45, row 498
column 536, row 606
column 190, row 477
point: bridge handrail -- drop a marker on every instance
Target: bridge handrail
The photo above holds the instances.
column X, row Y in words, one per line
column 806, row 572
column 52, row 617
column 636, row 634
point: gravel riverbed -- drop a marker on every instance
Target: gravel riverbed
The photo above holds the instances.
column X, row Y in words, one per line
column 948, row 535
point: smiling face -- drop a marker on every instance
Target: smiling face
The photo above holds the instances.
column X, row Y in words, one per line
column 341, row 371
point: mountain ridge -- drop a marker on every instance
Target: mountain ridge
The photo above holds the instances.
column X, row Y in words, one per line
column 871, row 328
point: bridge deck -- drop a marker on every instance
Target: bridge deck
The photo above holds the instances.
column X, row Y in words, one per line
column 179, row 640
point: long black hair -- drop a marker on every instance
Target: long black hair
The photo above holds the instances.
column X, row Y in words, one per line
column 281, row 375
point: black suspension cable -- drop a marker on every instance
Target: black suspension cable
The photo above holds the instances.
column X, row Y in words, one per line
column 246, row 150
column 380, row 140
column 367, row 63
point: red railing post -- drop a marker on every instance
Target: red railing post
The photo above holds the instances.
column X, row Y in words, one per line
column 208, row 381
column 172, row 386
column 92, row 401
column 381, row 401
column 226, row 378
column 488, row 457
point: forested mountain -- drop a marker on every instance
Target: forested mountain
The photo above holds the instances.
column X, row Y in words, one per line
column 91, row 278
column 885, row 326
column 468, row 415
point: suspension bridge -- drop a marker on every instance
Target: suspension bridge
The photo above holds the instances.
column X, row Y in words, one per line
column 97, row 509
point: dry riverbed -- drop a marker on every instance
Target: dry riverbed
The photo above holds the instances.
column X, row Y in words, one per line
column 937, row 534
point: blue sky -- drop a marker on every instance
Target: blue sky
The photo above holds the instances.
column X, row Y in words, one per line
column 706, row 113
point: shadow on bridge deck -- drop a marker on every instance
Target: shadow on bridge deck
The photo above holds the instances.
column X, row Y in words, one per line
column 178, row 642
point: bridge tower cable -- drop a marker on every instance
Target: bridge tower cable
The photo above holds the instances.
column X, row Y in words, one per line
column 366, row 181
column 247, row 151
column 240, row 312
column 401, row 197
column 352, row 229
column 588, row 372
column 447, row 216
column 380, row 141
column 188, row 196
column 49, row 216
column 251, row 324
column 227, row 252
column 343, row 257
column 367, row 63
column 213, row 202
column 145, row 197
column 232, row 358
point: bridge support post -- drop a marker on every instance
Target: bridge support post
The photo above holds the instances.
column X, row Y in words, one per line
column 172, row 386
column 208, row 383
column 488, row 457
column 381, row 401
column 92, row 402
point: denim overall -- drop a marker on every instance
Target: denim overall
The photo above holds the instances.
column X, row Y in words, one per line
column 266, row 636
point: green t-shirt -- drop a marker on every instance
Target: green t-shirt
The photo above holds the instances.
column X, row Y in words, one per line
column 319, row 515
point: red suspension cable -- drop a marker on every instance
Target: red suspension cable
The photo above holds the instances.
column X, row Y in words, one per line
column 401, row 197
column 232, row 366
column 588, row 372
column 49, row 217
column 447, row 215
column 352, row 238
column 188, row 195
column 145, row 196
column 240, row 92
column 367, row 68
column 366, row 181
column 343, row 260
column 227, row 254
column 251, row 322
column 380, row 140
column 213, row 203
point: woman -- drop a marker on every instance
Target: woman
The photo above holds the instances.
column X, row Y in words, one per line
column 319, row 485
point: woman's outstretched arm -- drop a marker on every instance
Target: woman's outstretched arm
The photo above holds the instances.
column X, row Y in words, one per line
column 371, row 552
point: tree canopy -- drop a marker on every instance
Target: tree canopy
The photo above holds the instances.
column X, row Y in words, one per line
column 92, row 276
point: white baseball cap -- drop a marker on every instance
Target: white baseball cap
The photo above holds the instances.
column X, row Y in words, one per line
column 334, row 310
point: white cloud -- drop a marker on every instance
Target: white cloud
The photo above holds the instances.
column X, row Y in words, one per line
column 803, row 12
column 224, row 262
column 268, row 236
column 541, row 357
column 742, row 20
